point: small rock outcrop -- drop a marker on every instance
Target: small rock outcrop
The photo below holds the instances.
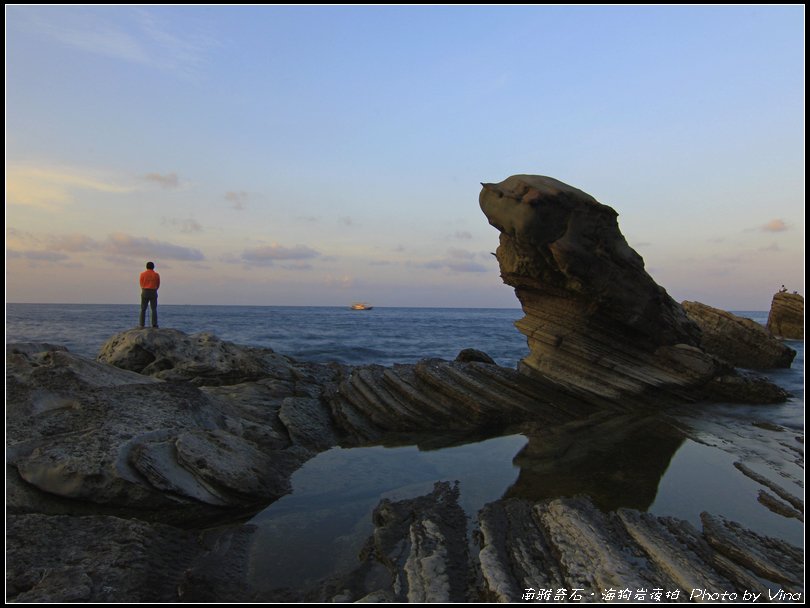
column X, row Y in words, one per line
column 597, row 324
column 417, row 553
column 201, row 359
column 740, row 341
column 786, row 318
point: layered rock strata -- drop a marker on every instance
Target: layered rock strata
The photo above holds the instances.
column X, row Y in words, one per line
column 786, row 317
column 568, row 544
column 597, row 324
column 432, row 395
column 563, row 549
column 740, row 341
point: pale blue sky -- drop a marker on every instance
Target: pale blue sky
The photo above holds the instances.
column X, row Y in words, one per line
column 324, row 155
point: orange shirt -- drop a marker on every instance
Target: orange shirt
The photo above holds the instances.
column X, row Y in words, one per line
column 150, row 279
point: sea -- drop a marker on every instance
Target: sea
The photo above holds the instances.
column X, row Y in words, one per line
column 319, row 529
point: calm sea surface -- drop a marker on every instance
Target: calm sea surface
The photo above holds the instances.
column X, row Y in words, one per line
column 379, row 335
column 318, row 529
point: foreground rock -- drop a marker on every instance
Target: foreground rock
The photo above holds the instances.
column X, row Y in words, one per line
column 596, row 322
column 102, row 559
column 563, row 549
column 786, row 317
column 89, row 432
column 569, row 544
column 418, row 553
column 740, row 341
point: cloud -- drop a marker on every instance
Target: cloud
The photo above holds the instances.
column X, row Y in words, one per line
column 463, row 235
column 460, row 254
column 268, row 254
column 134, row 35
column 126, row 245
column 771, row 247
column 465, row 266
column 457, row 260
column 343, row 282
column 346, row 221
column 53, row 188
column 169, row 181
column 775, row 225
column 237, row 199
column 37, row 256
column 186, row 226
column 72, row 242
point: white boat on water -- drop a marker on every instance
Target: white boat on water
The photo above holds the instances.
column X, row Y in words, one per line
column 360, row 306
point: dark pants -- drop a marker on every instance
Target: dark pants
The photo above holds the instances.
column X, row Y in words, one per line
column 149, row 298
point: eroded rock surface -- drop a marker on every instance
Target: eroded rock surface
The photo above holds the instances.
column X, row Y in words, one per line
column 786, row 317
column 740, row 341
column 597, row 324
column 99, row 559
column 418, row 553
column 569, row 544
column 201, row 359
column 82, row 430
column 374, row 401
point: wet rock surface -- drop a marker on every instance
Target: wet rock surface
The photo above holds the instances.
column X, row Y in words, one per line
column 786, row 317
column 742, row 342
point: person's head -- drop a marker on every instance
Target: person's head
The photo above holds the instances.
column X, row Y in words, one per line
column 150, row 265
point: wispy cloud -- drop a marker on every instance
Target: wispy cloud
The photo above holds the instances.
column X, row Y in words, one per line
column 134, row 35
column 346, row 220
column 186, row 226
column 343, row 281
column 268, row 254
column 775, row 225
column 457, row 260
column 238, row 200
column 169, row 181
column 37, row 255
column 53, row 188
column 462, row 235
column 126, row 245
column 73, row 243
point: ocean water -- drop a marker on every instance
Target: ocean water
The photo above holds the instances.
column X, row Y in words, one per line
column 380, row 335
column 318, row 530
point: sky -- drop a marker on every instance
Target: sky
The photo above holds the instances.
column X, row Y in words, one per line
column 320, row 155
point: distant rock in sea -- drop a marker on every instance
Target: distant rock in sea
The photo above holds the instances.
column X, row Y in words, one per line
column 597, row 324
column 742, row 342
column 786, row 318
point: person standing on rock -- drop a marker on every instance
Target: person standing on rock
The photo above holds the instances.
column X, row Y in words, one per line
column 150, row 282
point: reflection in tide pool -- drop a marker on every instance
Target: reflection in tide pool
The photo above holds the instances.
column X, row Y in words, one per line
column 320, row 528
column 703, row 478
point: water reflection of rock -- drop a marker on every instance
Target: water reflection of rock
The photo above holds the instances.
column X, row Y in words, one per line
column 618, row 463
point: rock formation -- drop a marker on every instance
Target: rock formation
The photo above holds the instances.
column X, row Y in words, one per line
column 597, row 324
column 569, row 544
column 535, row 551
column 740, row 341
column 83, row 430
column 786, row 318
column 201, row 359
